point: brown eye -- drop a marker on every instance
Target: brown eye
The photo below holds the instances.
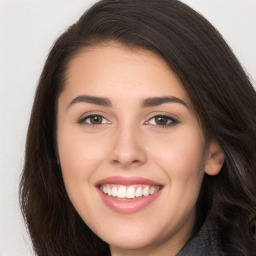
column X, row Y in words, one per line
column 95, row 119
column 161, row 120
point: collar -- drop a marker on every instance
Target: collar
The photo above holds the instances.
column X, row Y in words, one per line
column 204, row 242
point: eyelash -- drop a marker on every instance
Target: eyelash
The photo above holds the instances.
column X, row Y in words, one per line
column 83, row 120
column 171, row 121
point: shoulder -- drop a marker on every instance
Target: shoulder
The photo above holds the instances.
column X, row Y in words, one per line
column 204, row 242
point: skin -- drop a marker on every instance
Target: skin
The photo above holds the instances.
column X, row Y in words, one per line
column 128, row 142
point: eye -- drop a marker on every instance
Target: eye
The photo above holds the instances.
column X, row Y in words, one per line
column 162, row 120
column 93, row 120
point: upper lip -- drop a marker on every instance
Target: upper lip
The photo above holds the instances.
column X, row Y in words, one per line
column 127, row 181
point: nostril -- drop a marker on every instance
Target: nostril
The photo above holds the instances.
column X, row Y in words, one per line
column 126, row 162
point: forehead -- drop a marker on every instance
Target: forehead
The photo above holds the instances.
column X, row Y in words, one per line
column 114, row 68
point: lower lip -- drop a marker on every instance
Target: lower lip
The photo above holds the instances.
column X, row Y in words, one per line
column 128, row 206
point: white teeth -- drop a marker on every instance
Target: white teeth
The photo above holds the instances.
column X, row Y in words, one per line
column 146, row 191
column 114, row 191
column 130, row 192
column 157, row 189
column 109, row 192
column 121, row 193
column 151, row 190
column 138, row 192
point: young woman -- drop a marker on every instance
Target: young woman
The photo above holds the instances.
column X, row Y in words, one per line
column 142, row 139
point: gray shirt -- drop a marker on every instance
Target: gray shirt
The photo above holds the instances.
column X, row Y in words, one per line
column 204, row 243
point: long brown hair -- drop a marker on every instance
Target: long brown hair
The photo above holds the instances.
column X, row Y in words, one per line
column 220, row 91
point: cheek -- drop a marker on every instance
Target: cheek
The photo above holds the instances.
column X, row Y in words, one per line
column 79, row 154
column 80, row 157
column 182, row 158
column 182, row 153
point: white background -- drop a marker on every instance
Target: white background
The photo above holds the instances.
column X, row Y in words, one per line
column 27, row 30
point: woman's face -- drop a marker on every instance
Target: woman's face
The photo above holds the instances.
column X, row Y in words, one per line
column 131, row 150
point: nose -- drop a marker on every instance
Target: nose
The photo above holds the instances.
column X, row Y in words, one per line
column 127, row 149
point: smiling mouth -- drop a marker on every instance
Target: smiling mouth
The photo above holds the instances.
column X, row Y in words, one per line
column 129, row 192
column 128, row 195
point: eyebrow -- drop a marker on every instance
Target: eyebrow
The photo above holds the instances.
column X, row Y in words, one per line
column 91, row 99
column 156, row 101
column 149, row 102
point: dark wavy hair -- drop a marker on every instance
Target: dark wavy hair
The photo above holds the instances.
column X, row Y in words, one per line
column 221, row 93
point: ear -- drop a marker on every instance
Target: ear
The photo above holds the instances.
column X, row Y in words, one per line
column 215, row 159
